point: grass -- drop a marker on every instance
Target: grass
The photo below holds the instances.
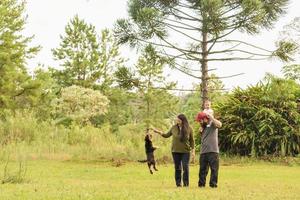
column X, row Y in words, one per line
column 91, row 180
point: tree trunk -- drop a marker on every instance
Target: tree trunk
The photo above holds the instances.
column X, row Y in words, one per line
column 204, row 70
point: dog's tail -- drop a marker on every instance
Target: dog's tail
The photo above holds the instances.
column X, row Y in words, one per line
column 142, row 161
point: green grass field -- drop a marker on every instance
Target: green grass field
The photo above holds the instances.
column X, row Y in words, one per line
column 83, row 180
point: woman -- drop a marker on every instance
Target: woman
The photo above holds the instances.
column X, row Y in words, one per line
column 182, row 144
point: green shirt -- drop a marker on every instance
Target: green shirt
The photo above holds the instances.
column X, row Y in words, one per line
column 177, row 145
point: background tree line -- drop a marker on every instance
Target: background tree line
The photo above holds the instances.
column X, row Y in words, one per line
column 94, row 89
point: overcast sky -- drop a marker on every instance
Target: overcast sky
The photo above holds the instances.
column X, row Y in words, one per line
column 48, row 18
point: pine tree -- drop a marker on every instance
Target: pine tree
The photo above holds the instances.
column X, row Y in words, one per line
column 16, row 86
column 206, row 30
column 86, row 59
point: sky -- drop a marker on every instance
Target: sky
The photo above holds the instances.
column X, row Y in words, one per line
column 48, row 18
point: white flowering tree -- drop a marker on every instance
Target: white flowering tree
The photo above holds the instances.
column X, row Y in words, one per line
column 79, row 104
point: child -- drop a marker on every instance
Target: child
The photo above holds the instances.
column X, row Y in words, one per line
column 207, row 110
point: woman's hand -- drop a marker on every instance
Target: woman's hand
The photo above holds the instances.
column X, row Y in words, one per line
column 156, row 131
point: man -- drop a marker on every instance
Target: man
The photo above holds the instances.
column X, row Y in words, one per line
column 209, row 154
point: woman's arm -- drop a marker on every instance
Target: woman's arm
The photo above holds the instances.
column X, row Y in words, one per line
column 192, row 144
column 191, row 138
column 166, row 135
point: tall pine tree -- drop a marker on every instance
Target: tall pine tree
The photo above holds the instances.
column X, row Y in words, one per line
column 206, row 30
column 16, row 86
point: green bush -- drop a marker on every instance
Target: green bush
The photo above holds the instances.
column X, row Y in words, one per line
column 262, row 119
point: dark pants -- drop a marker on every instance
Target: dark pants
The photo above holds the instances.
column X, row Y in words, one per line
column 209, row 160
column 181, row 162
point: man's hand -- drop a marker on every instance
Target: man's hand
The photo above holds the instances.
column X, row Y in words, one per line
column 210, row 116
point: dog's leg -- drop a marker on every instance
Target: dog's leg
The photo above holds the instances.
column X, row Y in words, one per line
column 154, row 166
column 149, row 166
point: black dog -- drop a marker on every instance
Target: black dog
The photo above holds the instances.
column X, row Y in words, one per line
column 150, row 153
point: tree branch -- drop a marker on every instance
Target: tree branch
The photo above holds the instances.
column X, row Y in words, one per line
column 184, row 24
column 189, row 74
column 239, row 50
column 182, row 50
column 245, row 43
column 179, row 56
column 185, row 18
column 234, row 58
column 178, row 31
column 230, row 9
column 222, row 36
column 190, row 16
column 224, row 77
column 188, row 90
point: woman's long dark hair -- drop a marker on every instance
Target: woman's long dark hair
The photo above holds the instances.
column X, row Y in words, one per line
column 184, row 128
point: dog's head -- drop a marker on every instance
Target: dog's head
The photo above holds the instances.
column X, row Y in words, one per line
column 148, row 137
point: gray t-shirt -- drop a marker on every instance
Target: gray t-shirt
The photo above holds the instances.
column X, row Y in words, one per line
column 209, row 139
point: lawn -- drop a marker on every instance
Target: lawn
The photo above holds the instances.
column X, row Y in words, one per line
column 92, row 180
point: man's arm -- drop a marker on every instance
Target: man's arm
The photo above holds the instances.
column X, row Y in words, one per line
column 217, row 123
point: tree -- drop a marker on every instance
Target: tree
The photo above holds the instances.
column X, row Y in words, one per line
column 291, row 32
column 46, row 94
column 120, row 110
column 87, row 60
column 154, row 102
column 292, row 72
column 80, row 104
column 205, row 27
column 16, row 86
